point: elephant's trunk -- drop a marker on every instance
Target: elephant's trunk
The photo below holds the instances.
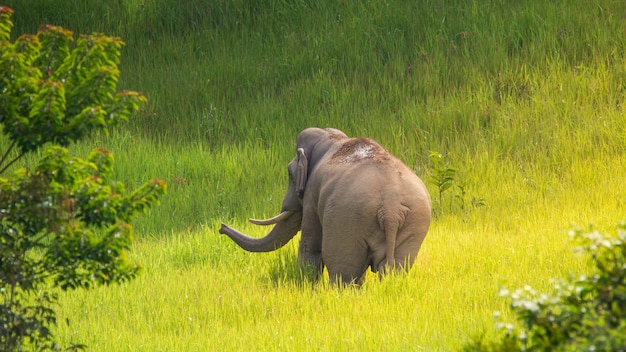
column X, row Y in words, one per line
column 280, row 234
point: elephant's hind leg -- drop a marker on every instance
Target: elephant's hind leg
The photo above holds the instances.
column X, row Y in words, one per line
column 346, row 263
column 347, row 275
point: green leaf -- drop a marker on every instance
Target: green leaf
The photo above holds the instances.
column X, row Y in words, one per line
column 55, row 42
column 5, row 23
column 103, row 159
column 29, row 46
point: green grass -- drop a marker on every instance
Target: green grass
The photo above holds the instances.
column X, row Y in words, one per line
column 525, row 99
column 198, row 290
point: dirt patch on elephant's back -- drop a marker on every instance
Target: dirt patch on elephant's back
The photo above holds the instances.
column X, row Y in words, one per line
column 359, row 149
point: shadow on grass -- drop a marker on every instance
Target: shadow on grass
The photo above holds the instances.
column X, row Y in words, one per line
column 284, row 270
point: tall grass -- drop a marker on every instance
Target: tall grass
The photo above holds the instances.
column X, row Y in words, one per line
column 525, row 99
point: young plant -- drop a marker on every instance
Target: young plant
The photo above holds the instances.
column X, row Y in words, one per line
column 462, row 195
column 444, row 175
column 65, row 223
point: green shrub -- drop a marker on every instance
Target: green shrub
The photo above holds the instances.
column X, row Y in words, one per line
column 65, row 223
column 584, row 313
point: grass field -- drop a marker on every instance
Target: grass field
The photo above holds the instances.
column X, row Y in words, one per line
column 524, row 98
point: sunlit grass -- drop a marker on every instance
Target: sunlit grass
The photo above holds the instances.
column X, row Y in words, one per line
column 197, row 289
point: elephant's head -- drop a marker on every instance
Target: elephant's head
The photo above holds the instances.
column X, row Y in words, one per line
column 312, row 144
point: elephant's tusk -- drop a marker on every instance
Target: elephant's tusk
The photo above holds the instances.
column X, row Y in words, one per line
column 271, row 221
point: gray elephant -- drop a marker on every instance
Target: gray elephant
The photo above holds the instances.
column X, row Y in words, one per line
column 357, row 205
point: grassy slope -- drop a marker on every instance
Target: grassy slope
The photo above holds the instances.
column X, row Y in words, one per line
column 529, row 108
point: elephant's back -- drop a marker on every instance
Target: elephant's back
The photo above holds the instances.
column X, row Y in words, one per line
column 361, row 175
column 372, row 182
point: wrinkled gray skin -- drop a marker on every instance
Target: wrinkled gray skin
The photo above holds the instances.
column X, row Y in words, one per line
column 357, row 206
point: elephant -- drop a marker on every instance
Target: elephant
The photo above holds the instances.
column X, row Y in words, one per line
column 356, row 205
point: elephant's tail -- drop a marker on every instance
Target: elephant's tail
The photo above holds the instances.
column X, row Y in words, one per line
column 391, row 234
column 390, row 226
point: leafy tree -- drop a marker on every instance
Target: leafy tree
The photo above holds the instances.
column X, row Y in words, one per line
column 584, row 313
column 65, row 223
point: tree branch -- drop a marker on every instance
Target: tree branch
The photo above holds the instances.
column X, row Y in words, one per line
column 11, row 162
column 6, row 154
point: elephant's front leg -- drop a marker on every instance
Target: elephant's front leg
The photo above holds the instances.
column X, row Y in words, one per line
column 310, row 249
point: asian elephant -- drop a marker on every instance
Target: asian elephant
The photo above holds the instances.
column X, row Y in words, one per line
column 357, row 206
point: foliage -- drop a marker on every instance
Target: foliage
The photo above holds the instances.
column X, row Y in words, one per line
column 65, row 223
column 587, row 313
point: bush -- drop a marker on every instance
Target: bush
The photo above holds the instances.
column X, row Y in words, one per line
column 65, row 223
column 584, row 313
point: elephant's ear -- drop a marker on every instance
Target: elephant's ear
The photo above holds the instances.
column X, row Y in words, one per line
column 301, row 173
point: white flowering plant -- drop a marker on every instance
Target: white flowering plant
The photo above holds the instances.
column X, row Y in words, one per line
column 582, row 313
